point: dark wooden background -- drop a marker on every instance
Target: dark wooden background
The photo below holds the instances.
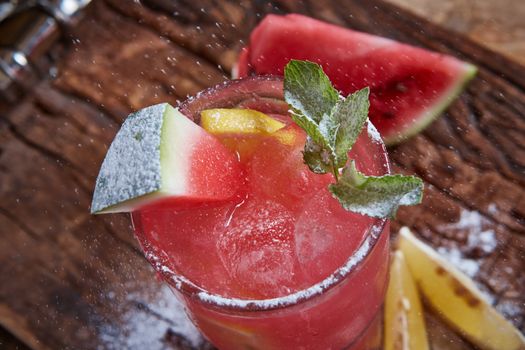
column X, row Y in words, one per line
column 72, row 281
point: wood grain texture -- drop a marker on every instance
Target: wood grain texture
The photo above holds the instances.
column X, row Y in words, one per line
column 69, row 280
column 498, row 25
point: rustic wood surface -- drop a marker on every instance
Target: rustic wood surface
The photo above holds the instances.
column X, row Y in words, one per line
column 498, row 25
column 70, row 280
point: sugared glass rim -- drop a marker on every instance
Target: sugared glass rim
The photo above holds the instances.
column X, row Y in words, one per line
column 271, row 87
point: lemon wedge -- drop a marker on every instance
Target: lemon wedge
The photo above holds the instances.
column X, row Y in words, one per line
column 456, row 298
column 404, row 319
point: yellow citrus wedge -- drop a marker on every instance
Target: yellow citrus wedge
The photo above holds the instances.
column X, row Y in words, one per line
column 404, row 319
column 456, row 298
column 242, row 130
column 238, row 121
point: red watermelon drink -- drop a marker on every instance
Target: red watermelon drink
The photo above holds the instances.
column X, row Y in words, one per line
column 282, row 265
column 279, row 264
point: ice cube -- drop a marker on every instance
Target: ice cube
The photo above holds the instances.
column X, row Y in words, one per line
column 258, row 248
column 326, row 235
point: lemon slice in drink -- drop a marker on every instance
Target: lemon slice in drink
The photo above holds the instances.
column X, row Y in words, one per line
column 241, row 130
column 238, row 121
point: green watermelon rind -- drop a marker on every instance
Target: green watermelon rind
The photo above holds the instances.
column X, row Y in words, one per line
column 159, row 164
column 433, row 112
column 132, row 204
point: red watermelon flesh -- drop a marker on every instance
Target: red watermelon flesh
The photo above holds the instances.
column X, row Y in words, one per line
column 409, row 86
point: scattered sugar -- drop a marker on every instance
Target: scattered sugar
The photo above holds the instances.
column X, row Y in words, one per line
column 509, row 308
column 478, row 238
column 485, row 240
column 492, row 208
column 167, row 306
column 471, row 220
column 146, row 327
column 473, row 223
column 455, row 257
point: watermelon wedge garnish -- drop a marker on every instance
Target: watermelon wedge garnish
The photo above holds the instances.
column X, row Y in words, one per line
column 409, row 86
column 161, row 157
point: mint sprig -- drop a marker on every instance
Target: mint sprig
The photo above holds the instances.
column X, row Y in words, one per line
column 333, row 124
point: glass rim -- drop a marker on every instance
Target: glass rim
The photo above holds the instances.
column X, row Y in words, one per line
column 190, row 289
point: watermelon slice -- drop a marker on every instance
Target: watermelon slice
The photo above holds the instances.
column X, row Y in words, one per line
column 160, row 156
column 409, row 86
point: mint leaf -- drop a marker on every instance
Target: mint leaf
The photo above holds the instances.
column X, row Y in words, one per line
column 308, row 90
column 350, row 115
column 312, row 98
column 376, row 196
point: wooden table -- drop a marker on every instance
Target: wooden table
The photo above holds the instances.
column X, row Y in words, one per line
column 498, row 25
column 71, row 280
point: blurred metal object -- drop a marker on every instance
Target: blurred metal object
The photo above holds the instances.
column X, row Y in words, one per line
column 28, row 28
column 64, row 11
column 6, row 8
